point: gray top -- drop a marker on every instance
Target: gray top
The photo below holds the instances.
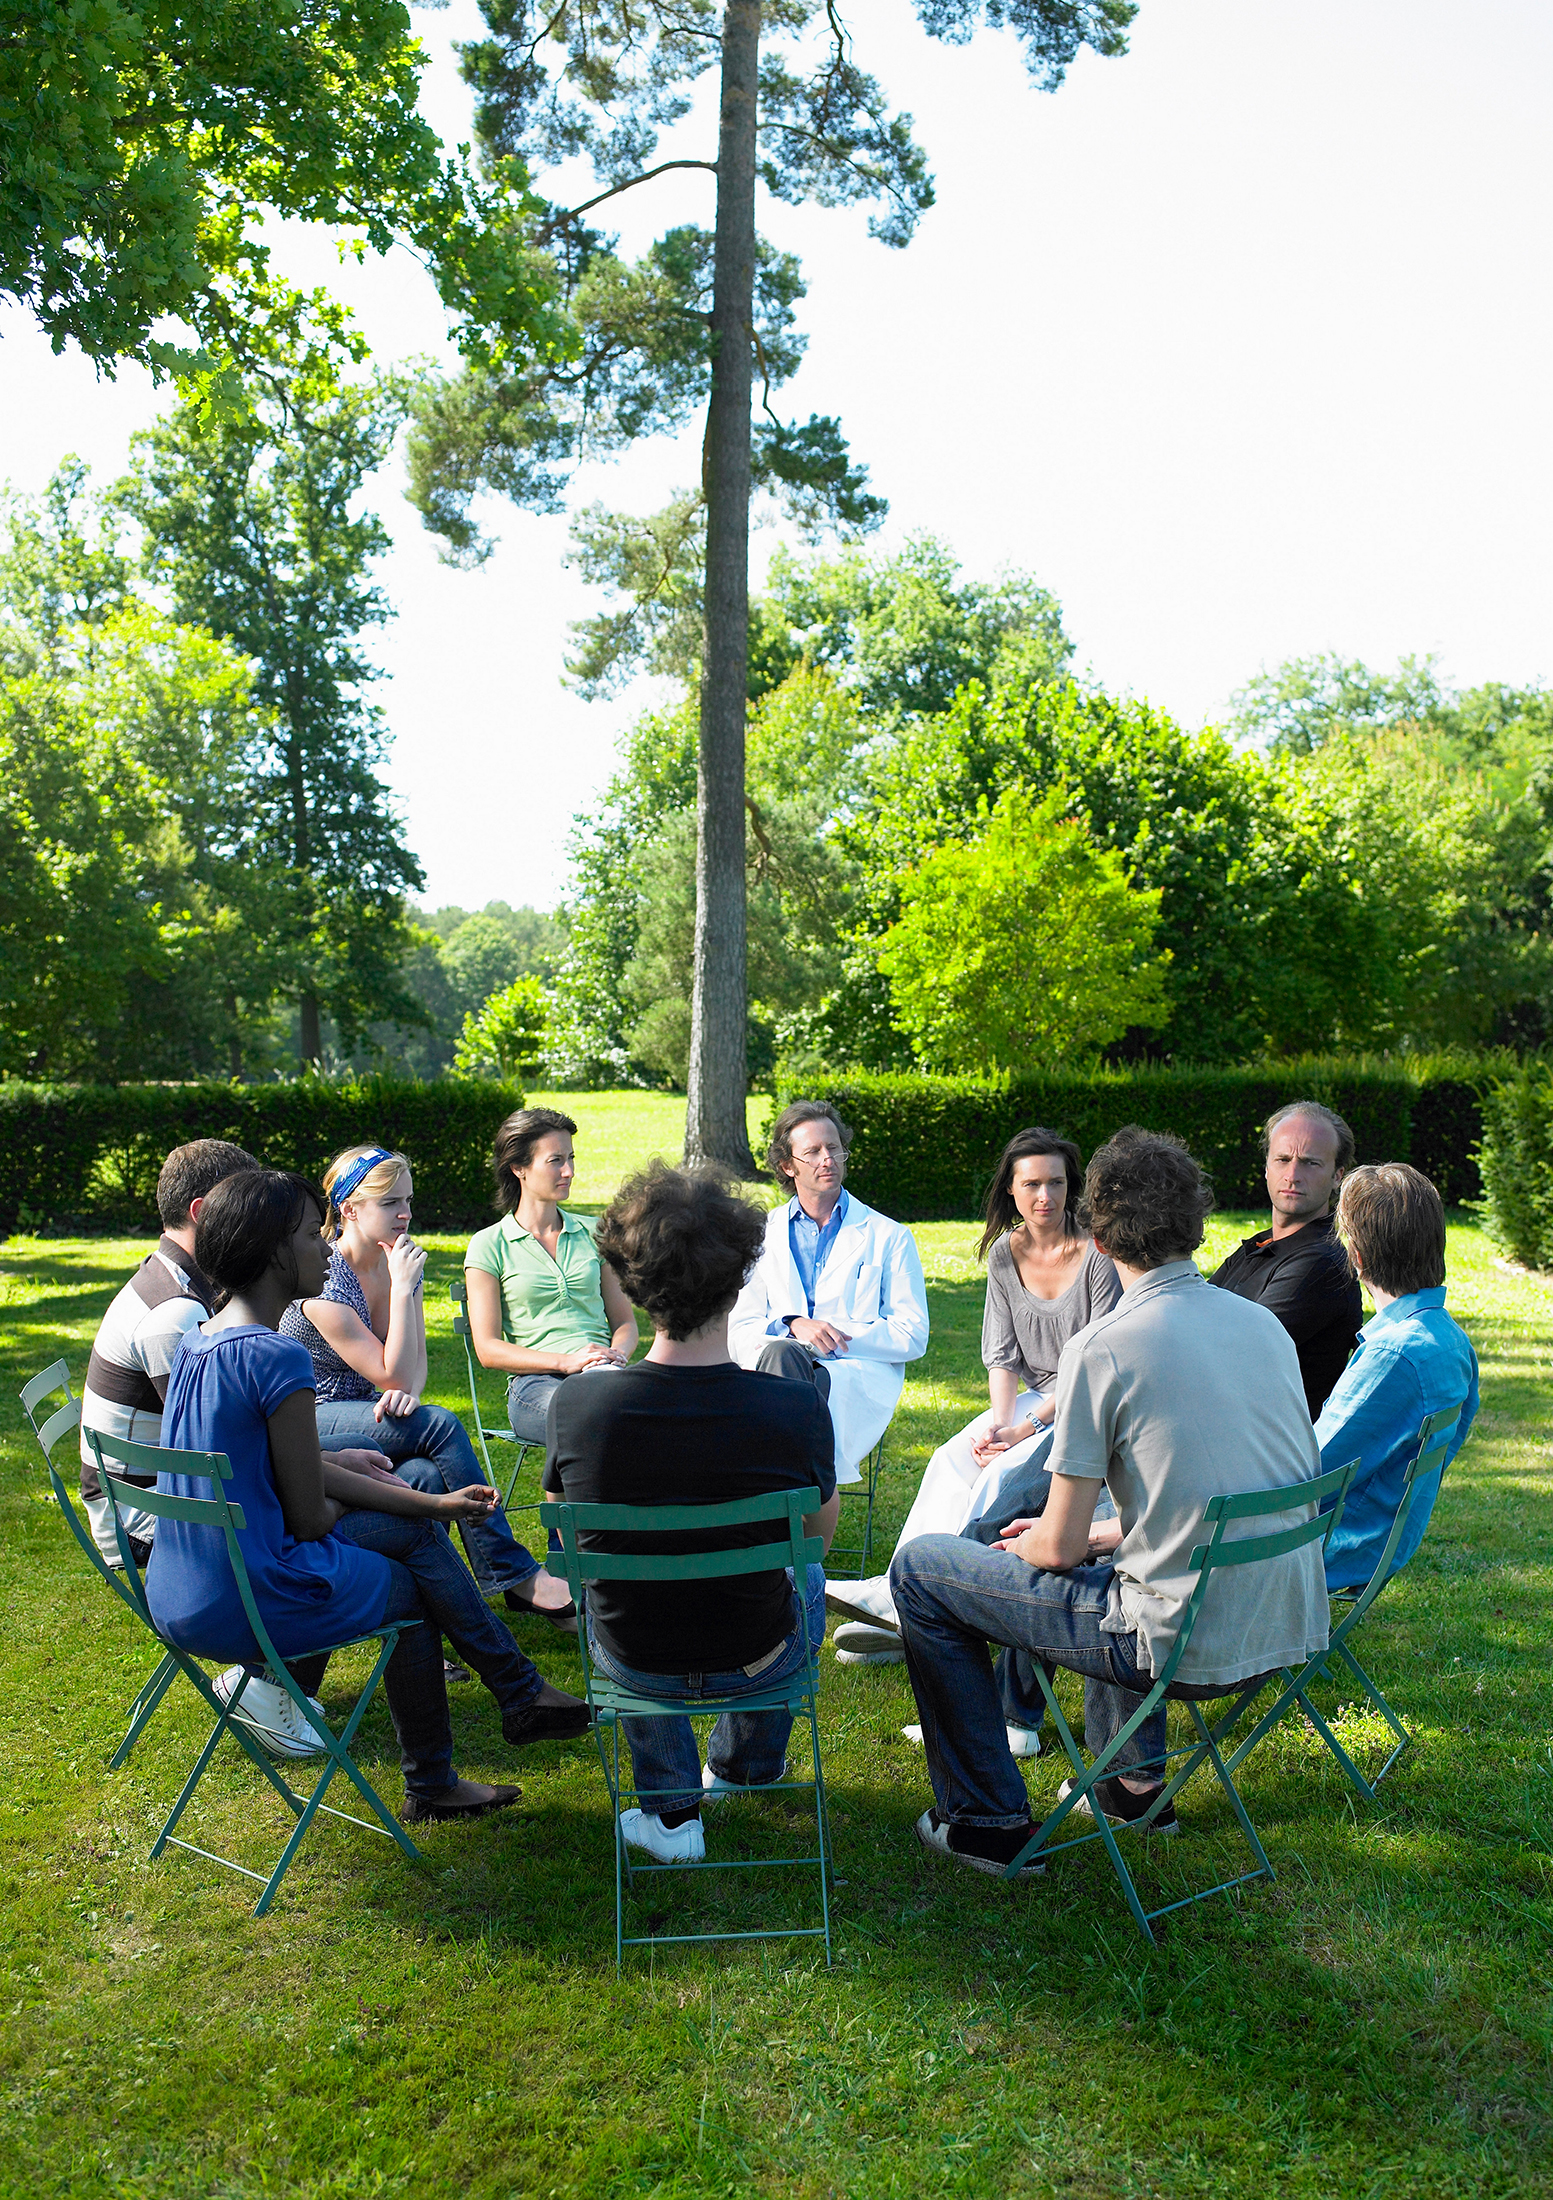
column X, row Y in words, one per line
column 1027, row 1334
column 1180, row 1394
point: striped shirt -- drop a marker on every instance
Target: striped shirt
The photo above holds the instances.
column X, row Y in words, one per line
column 126, row 1378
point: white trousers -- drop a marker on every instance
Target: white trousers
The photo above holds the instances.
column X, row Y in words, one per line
column 955, row 1490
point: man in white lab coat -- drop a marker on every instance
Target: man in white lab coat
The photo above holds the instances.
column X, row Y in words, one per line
column 837, row 1296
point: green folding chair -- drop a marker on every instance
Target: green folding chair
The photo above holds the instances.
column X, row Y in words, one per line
column 1433, row 1441
column 486, row 1436
column 609, row 1703
column 218, row 1515
column 865, row 1491
column 1206, row 1560
column 65, row 1419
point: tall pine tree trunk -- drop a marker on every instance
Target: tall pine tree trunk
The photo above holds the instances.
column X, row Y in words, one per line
column 714, row 1117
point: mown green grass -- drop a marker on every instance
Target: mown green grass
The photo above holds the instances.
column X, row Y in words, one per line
column 1379, row 2021
column 618, row 1131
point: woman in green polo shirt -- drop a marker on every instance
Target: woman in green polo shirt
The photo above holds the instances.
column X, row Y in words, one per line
column 542, row 1305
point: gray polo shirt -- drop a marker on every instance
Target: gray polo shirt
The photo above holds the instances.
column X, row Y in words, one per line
column 1179, row 1394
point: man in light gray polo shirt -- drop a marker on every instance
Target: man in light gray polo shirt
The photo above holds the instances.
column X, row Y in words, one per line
column 1180, row 1393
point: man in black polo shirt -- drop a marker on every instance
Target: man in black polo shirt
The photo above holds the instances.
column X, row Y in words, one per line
column 1297, row 1269
column 688, row 1426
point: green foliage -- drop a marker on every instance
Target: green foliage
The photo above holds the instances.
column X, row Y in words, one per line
column 1517, row 1163
column 928, row 1145
column 506, row 1038
column 248, row 522
column 145, row 148
column 1025, row 946
column 92, row 1152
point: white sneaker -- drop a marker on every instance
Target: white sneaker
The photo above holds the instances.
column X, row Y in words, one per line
column 643, row 1829
column 869, row 1601
column 1023, row 1741
column 271, row 1717
column 714, row 1787
column 857, row 1644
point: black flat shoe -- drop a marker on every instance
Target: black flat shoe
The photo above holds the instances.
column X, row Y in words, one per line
column 545, row 1722
column 464, row 1799
column 563, row 1619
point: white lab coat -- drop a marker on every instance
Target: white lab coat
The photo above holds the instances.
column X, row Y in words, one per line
column 871, row 1286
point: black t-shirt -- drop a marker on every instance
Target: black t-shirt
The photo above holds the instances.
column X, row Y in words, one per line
column 654, row 1435
column 1306, row 1281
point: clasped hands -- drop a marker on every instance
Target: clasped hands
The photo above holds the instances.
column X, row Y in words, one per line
column 1004, row 1435
column 1018, row 1539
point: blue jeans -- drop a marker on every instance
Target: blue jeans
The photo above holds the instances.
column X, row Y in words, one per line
column 430, row 1449
column 430, row 1581
column 748, row 1746
column 952, row 1597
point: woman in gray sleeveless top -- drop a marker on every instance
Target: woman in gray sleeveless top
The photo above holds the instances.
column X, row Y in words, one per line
column 1045, row 1282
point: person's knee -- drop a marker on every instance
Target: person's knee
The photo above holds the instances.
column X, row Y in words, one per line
column 421, row 1474
column 785, row 1356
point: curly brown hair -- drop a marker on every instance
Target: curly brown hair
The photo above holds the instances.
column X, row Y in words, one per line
column 681, row 1243
column 1145, row 1199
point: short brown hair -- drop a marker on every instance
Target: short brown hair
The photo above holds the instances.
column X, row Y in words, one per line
column 1145, row 1199
column 1392, row 1221
column 681, row 1243
column 192, row 1172
column 780, row 1149
column 515, row 1143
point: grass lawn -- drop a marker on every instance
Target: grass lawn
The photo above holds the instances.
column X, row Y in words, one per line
column 1378, row 2022
column 618, row 1131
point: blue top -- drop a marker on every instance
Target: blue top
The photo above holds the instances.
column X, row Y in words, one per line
column 332, row 1378
column 811, row 1244
column 1411, row 1360
column 220, row 1395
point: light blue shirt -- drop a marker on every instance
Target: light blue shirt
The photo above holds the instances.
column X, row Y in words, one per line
column 1411, row 1360
column 811, row 1246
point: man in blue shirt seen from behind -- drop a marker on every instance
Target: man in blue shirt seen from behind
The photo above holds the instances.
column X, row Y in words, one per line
column 1411, row 1360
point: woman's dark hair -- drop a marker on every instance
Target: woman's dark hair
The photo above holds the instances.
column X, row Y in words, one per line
column 999, row 1208
column 780, row 1150
column 514, row 1149
column 245, row 1221
column 1145, row 1199
column 1390, row 1218
column 681, row 1243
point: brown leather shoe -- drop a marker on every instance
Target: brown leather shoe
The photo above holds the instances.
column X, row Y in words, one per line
column 464, row 1799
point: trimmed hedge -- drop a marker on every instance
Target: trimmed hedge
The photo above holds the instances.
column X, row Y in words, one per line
column 88, row 1155
column 927, row 1146
column 1518, row 1164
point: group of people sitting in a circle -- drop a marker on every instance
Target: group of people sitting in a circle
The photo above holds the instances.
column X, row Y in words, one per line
column 283, row 1325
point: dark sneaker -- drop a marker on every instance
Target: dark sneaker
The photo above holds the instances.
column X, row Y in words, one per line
column 464, row 1799
column 1123, row 1808
column 989, row 1849
column 545, row 1722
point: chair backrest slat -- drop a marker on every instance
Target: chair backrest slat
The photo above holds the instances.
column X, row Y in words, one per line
column 56, row 1377
column 216, row 1512
column 1249, row 1504
column 793, row 1549
column 59, row 1423
column 204, row 1512
column 1251, row 1550
column 1434, row 1438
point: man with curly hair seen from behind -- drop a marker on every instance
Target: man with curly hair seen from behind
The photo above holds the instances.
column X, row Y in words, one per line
column 1180, row 1393
column 687, row 1426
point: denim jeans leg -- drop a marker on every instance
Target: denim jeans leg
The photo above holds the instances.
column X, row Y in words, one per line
column 451, row 1602
column 528, row 1408
column 751, row 1746
column 665, row 1762
column 952, row 1597
column 430, row 1449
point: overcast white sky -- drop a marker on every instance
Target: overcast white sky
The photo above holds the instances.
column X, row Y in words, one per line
column 1239, row 343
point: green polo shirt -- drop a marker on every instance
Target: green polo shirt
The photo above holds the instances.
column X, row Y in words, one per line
column 547, row 1305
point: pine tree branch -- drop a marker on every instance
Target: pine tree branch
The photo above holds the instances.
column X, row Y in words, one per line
column 615, row 190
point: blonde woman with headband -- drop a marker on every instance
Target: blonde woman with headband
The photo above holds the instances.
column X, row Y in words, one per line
column 366, row 1333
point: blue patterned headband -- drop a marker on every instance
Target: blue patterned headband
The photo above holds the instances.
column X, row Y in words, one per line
column 362, row 1166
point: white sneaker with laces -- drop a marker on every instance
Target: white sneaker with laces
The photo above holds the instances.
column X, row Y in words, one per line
column 271, row 1717
column 1023, row 1741
column 857, row 1644
column 643, row 1829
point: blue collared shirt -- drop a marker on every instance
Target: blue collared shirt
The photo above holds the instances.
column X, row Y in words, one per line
column 810, row 1247
column 1411, row 1360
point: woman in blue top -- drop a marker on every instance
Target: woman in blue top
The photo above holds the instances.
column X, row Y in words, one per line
column 366, row 1334
column 332, row 1551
